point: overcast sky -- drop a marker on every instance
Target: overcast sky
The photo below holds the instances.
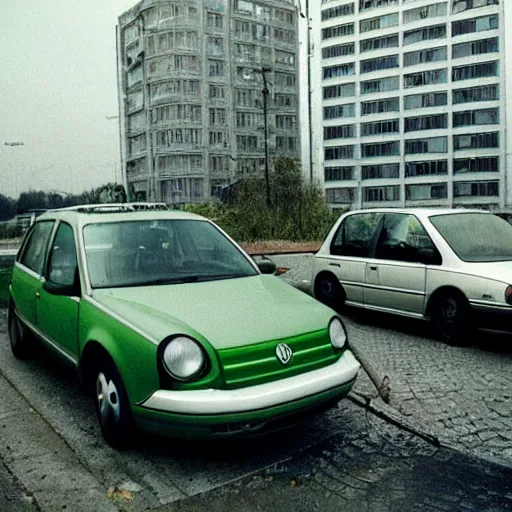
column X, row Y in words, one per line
column 57, row 86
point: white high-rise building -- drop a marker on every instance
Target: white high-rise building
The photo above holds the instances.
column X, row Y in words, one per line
column 413, row 97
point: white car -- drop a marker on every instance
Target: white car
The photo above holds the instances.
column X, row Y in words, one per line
column 452, row 267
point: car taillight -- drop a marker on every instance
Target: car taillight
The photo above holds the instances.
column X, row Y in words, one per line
column 508, row 295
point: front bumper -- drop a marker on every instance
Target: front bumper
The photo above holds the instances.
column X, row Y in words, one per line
column 255, row 398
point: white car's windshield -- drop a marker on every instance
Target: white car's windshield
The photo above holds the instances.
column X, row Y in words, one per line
column 140, row 253
column 476, row 237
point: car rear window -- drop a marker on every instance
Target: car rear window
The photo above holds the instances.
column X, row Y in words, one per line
column 476, row 237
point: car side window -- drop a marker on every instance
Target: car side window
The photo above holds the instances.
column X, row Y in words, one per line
column 35, row 250
column 355, row 234
column 63, row 261
column 403, row 238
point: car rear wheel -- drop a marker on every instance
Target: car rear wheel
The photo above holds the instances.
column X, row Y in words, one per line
column 111, row 405
column 451, row 319
column 20, row 341
column 329, row 291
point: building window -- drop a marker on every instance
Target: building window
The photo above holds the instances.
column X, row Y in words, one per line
column 337, row 71
column 475, row 25
column 340, row 91
column 426, row 168
column 216, row 92
column 338, row 50
column 283, row 122
column 215, row 68
column 339, row 132
column 217, row 116
column 215, row 46
column 378, row 107
column 473, row 94
column 336, row 111
column 476, row 71
column 338, row 152
column 364, row 5
column 338, row 31
column 380, row 149
column 476, row 48
column 464, row 5
column 434, row 99
column 286, row 144
column 483, row 164
column 371, row 172
column 425, row 34
column 380, row 127
column 475, row 188
column 421, row 56
column 338, row 12
column 218, row 138
column 431, row 145
column 476, row 141
column 379, row 194
column 426, row 191
column 423, row 13
column 340, row 195
column 437, row 122
column 435, row 76
column 391, row 20
column 476, row 117
column 391, row 83
column 214, row 20
column 367, row 66
column 379, row 43
column 340, row 173
column 247, row 142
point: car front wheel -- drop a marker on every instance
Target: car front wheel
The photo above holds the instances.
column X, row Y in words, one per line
column 451, row 319
column 111, row 405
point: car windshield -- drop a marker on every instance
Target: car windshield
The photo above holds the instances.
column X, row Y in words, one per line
column 143, row 253
column 476, row 237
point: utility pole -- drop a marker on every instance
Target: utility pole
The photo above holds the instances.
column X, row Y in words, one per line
column 266, row 92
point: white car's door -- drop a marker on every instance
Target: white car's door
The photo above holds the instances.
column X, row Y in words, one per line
column 349, row 253
column 395, row 278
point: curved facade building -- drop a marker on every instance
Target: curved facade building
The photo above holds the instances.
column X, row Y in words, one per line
column 190, row 75
column 414, row 97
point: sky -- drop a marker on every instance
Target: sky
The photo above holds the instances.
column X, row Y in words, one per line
column 58, row 84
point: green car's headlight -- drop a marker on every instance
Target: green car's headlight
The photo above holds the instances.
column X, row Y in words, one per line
column 183, row 358
column 337, row 333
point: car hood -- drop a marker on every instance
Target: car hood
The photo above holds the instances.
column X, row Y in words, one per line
column 496, row 270
column 228, row 313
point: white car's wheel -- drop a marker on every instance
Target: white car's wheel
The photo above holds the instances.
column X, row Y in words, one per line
column 451, row 319
column 329, row 291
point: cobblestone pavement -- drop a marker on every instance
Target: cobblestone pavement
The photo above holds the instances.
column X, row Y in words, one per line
column 378, row 469
column 462, row 395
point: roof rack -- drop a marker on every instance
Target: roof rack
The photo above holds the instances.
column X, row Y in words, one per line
column 115, row 207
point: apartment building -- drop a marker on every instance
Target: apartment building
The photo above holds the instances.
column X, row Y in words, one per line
column 190, row 81
column 413, row 97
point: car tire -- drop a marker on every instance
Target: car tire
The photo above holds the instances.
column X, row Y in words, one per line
column 329, row 291
column 111, row 405
column 451, row 319
column 18, row 335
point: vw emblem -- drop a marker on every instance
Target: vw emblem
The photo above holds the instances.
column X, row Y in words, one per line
column 284, row 353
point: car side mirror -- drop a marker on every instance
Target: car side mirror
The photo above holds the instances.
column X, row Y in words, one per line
column 267, row 266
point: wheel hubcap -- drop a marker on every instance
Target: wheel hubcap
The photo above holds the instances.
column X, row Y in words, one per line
column 326, row 288
column 108, row 399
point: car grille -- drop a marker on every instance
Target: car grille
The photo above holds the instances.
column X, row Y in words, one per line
column 257, row 364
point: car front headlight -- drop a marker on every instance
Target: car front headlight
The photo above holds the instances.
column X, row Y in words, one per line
column 337, row 333
column 183, row 358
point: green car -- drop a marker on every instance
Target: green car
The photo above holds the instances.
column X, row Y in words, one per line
column 171, row 326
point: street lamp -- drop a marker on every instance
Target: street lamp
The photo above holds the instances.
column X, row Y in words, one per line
column 265, row 91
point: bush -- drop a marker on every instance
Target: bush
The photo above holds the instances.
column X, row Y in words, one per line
column 297, row 212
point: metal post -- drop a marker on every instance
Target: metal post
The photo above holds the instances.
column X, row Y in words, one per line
column 266, row 92
column 309, row 94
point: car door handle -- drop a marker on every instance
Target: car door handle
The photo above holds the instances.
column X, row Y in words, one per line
column 373, row 268
column 335, row 265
